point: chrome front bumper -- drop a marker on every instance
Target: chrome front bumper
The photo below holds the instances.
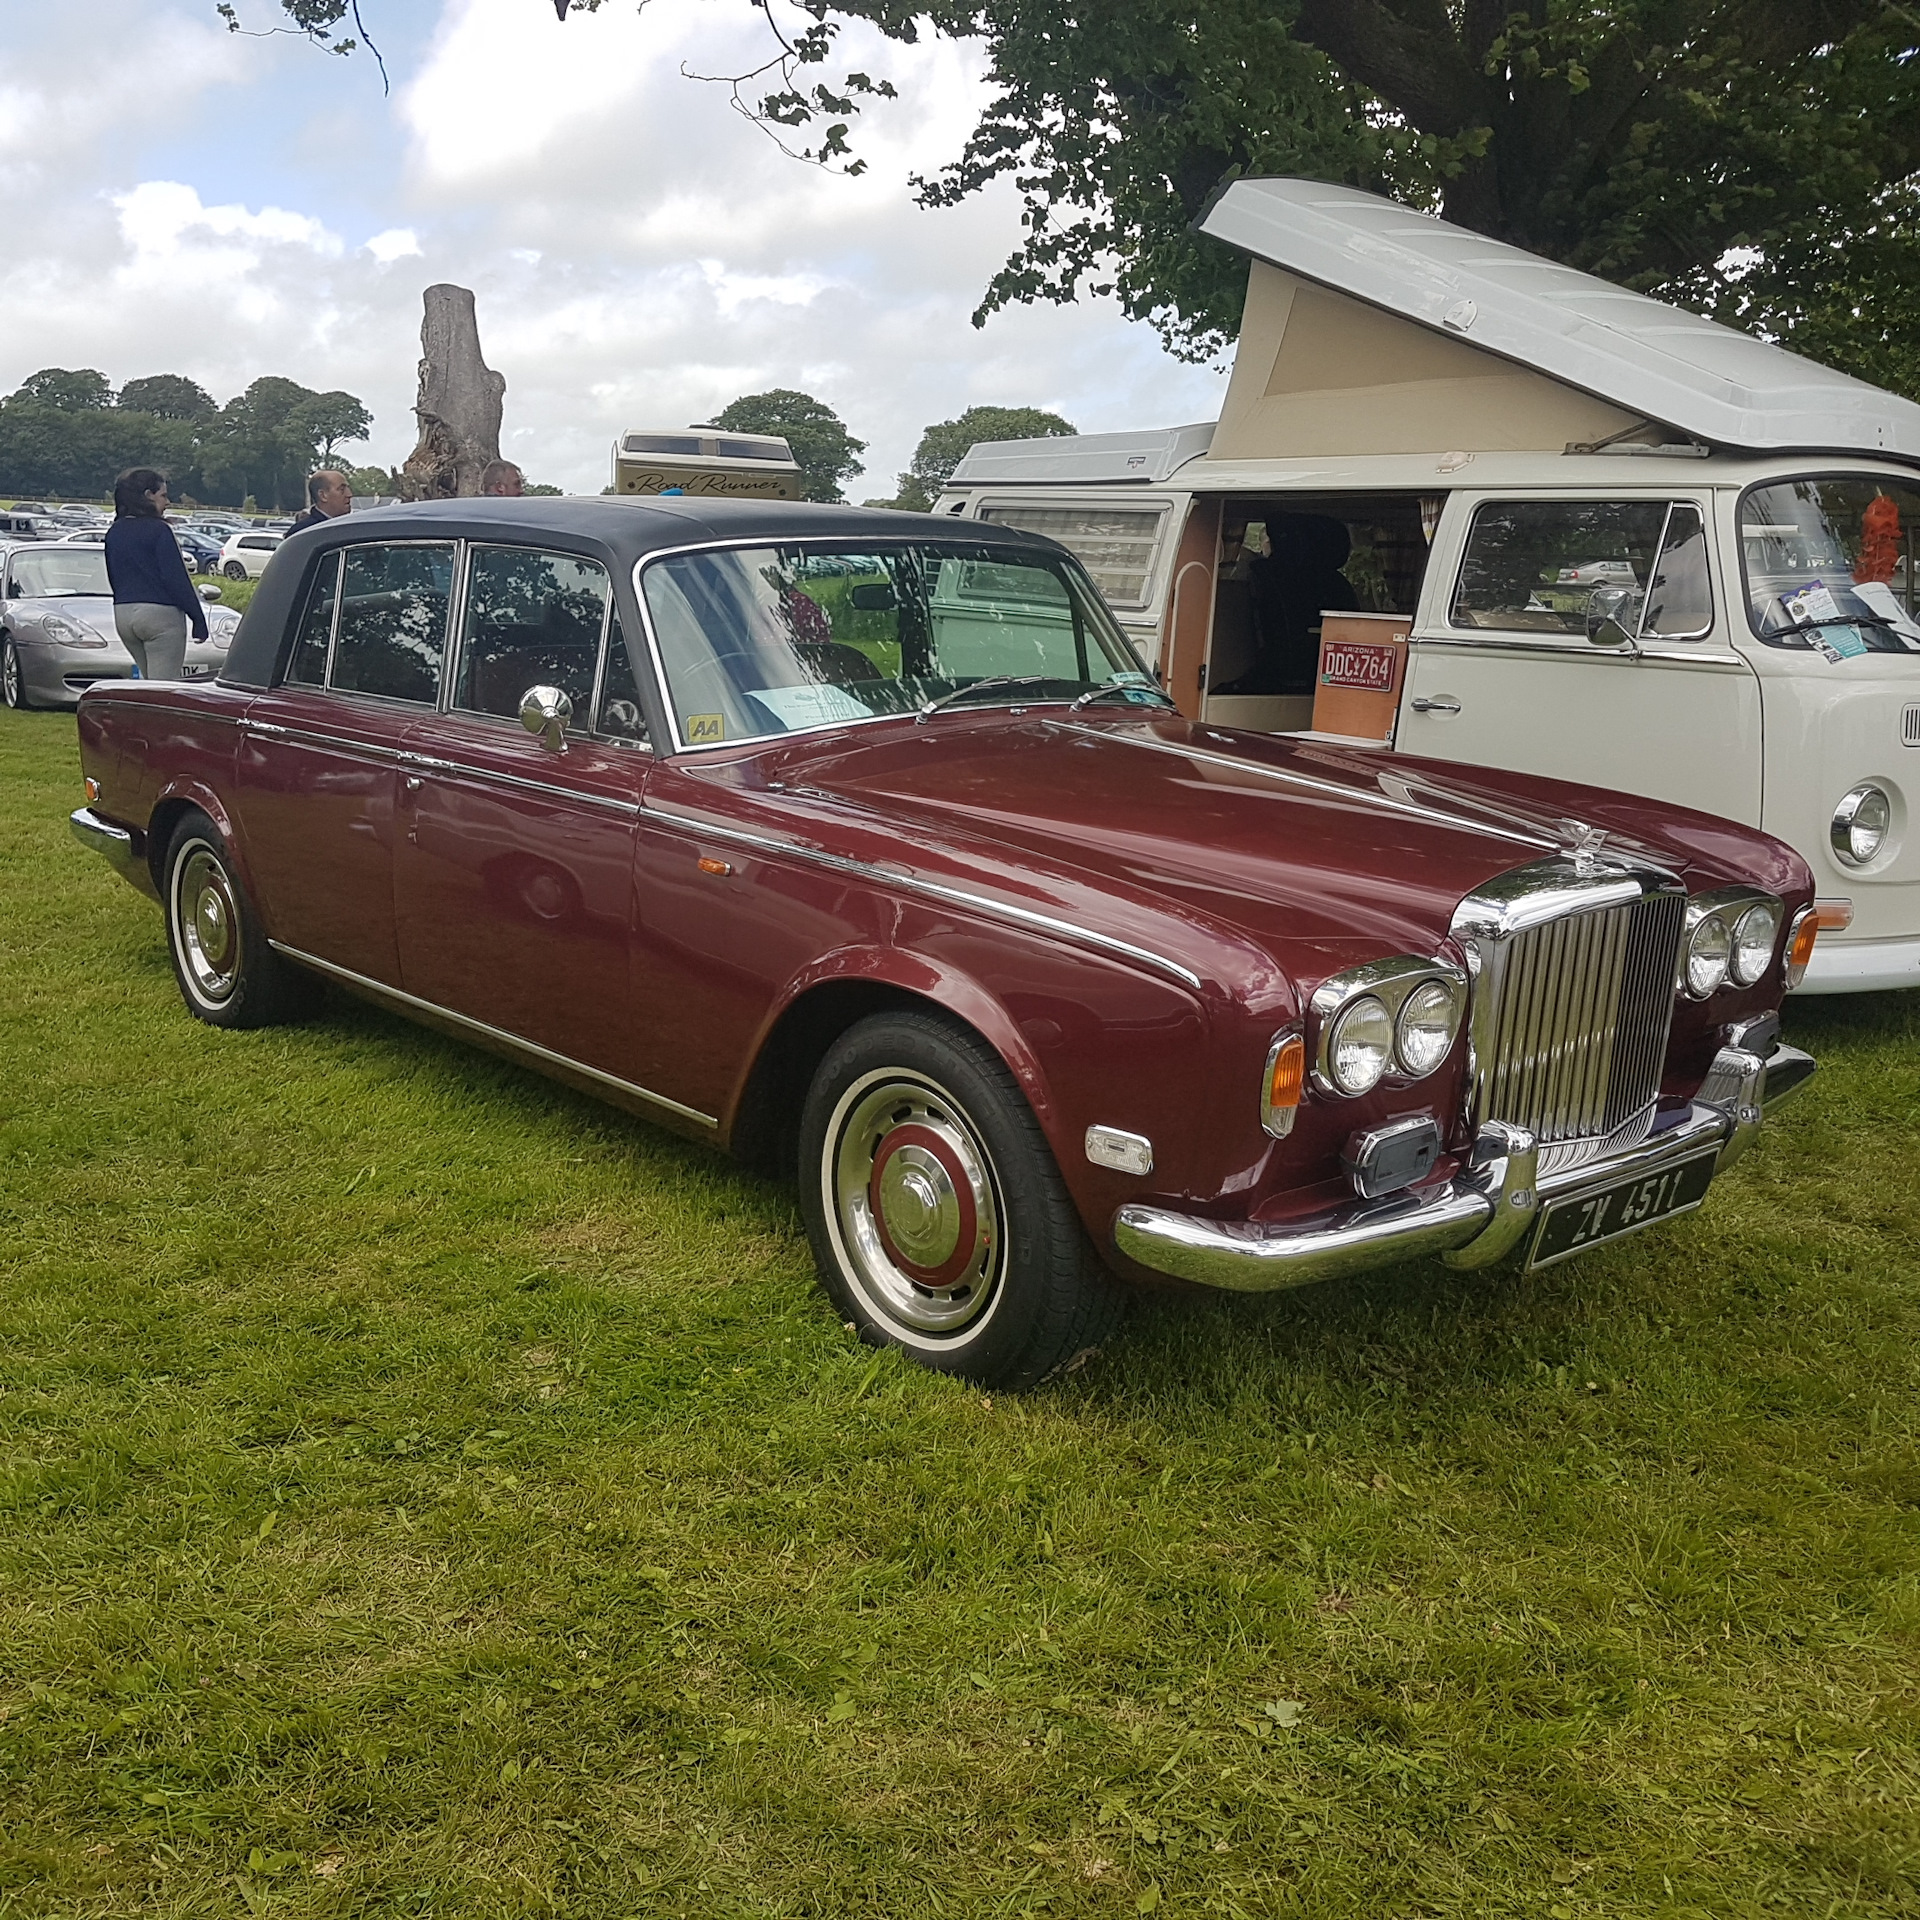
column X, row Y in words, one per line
column 115, row 845
column 1473, row 1220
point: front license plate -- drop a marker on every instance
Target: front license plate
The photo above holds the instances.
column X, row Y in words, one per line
column 1572, row 1226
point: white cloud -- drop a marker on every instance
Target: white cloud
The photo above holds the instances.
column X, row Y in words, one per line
column 162, row 220
column 397, row 243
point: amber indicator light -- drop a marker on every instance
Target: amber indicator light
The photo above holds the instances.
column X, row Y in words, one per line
column 1831, row 916
column 1801, row 951
column 93, row 788
column 710, row 865
column 1289, row 1075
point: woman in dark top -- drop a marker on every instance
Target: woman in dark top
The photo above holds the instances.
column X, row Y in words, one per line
column 154, row 604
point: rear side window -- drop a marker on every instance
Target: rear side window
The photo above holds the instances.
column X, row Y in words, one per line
column 1541, row 566
column 1114, row 544
column 314, row 636
column 392, row 629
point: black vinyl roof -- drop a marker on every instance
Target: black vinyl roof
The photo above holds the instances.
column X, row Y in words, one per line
column 615, row 530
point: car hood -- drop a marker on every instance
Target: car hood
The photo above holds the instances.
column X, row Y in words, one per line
column 1320, row 855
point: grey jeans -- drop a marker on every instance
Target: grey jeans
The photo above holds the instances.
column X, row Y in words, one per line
column 156, row 636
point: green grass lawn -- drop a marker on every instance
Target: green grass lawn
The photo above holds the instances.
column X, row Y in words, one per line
column 429, row 1493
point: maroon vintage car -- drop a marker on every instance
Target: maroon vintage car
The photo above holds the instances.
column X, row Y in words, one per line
column 859, row 839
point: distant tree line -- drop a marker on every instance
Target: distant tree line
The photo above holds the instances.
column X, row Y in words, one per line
column 65, row 432
column 827, row 455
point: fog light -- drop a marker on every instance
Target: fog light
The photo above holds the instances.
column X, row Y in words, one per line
column 1859, row 827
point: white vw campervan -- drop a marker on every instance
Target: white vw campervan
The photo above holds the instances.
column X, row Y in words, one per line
column 1627, row 546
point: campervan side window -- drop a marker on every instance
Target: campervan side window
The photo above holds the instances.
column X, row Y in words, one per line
column 1114, row 544
column 1534, row 566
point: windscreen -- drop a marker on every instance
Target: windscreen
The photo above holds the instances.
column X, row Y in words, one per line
column 769, row 640
column 62, row 570
column 1830, row 564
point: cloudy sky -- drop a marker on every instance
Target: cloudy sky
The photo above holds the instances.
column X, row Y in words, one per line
column 180, row 199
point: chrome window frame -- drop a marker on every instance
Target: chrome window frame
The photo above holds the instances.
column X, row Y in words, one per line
column 454, row 588
column 664, row 687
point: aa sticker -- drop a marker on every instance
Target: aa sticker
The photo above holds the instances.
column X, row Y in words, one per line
column 705, row 726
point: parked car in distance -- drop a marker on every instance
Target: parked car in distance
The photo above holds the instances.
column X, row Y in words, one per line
column 200, row 551
column 857, row 842
column 56, row 626
column 245, row 555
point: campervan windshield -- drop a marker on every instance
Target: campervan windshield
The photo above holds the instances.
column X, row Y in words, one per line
column 1830, row 564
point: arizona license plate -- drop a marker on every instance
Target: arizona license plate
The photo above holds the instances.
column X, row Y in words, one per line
column 1572, row 1226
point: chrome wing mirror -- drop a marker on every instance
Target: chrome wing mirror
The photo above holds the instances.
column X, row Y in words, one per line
column 547, row 713
column 1613, row 616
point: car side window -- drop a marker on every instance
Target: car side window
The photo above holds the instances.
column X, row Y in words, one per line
column 392, row 634
column 532, row 620
column 621, row 715
column 1531, row 566
column 308, row 664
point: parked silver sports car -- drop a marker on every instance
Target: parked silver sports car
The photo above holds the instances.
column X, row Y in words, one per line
column 56, row 627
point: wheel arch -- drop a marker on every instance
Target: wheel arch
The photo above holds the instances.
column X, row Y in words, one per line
column 183, row 797
column 763, row 1123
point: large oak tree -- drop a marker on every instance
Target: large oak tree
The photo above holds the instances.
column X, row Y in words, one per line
column 1755, row 159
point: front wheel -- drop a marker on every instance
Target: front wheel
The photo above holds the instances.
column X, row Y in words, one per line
column 13, row 677
column 937, row 1216
column 229, row 976
column 234, row 570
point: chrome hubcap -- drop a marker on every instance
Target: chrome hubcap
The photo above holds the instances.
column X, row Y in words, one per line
column 912, row 1201
column 10, row 675
column 209, row 925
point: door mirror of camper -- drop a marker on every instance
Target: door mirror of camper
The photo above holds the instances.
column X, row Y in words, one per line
column 1612, row 615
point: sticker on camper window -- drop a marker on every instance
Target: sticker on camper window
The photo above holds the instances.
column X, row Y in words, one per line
column 705, row 728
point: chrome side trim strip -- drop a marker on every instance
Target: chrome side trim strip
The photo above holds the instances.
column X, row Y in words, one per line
column 314, row 737
column 488, row 776
column 931, row 889
column 499, row 1037
column 1331, row 789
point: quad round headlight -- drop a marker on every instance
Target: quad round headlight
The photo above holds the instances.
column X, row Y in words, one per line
column 1709, row 953
column 1423, row 1035
column 1754, row 934
column 1859, row 827
column 1360, row 1045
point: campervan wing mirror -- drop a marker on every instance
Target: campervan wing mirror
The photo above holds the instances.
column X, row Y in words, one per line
column 874, row 597
column 1613, row 616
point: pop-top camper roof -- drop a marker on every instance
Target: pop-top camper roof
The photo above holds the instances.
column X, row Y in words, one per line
column 1372, row 329
column 1649, row 360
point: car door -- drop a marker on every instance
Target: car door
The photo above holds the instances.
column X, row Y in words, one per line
column 514, row 867
column 1503, row 670
column 318, row 770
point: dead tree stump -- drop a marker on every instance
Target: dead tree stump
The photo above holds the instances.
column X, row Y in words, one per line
column 459, row 404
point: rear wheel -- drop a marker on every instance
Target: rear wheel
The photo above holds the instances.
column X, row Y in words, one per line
column 938, row 1218
column 228, row 975
column 234, row 570
column 13, row 677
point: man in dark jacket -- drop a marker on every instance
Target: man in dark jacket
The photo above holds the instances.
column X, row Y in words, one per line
column 329, row 495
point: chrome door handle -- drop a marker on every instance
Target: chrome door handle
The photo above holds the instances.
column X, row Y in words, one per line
column 1435, row 703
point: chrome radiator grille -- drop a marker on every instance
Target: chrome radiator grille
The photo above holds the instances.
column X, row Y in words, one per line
column 1571, row 1015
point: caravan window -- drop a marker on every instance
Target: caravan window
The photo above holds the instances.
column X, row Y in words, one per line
column 1114, row 544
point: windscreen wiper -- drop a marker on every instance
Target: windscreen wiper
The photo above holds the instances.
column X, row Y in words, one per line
column 993, row 683
column 1838, row 620
column 1126, row 688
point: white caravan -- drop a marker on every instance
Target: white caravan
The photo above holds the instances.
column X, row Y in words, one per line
column 1629, row 546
